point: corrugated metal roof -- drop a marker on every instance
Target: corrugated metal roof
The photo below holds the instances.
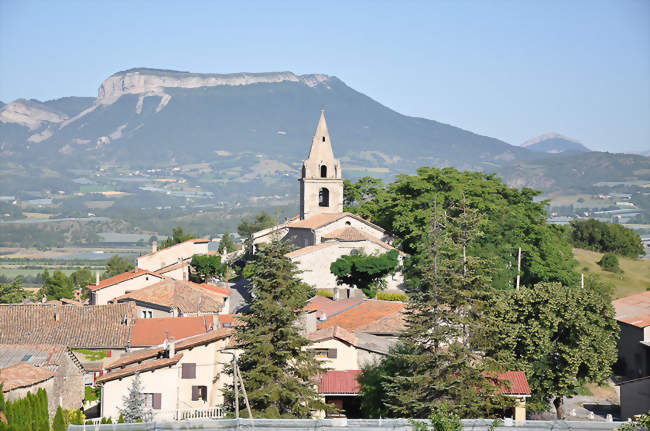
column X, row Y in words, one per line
column 634, row 309
column 340, row 382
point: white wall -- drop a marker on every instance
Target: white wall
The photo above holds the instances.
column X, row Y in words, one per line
column 171, row 255
column 102, row 296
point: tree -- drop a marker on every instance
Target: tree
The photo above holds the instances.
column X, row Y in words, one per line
column 364, row 190
column 609, row 262
column 434, row 365
column 365, row 272
column 117, row 265
column 513, row 217
column 605, row 237
column 59, row 421
column 278, row 370
column 56, row 286
column 82, row 278
column 259, row 222
column 227, row 243
column 133, row 409
column 178, row 236
column 561, row 336
column 12, row 293
column 207, row 266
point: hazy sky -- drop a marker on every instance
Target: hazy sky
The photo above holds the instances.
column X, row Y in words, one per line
column 507, row 69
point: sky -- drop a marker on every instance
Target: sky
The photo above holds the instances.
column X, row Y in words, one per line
column 509, row 69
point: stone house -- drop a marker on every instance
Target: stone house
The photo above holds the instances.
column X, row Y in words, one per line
column 633, row 317
column 28, row 367
column 103, row 291
column 173, row 298
column 184, row 376
column 323, row 232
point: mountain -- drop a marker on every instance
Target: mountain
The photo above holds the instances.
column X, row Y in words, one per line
column 554, row 143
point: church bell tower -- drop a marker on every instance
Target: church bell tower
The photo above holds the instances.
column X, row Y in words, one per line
column 321, row 184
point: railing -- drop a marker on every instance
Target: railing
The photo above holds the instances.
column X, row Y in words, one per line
column 215, row 412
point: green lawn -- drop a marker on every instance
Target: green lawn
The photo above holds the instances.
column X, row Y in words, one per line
column 635, row 277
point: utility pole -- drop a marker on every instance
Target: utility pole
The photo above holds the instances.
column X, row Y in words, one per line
column 235, row 385
column 518, row 267
column 243, row 388
column 582, row 280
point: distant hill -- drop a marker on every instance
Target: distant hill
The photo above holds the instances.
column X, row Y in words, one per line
column 554, row 143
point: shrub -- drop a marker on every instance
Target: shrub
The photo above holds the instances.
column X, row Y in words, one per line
column 609, row 262
column 392, row 296
column 324, row 292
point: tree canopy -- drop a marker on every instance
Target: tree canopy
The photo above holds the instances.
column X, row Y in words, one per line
column 178, row 236
column 227, row 243
column 606, row 237
column 207, row 266
column 259, row 222
column 117, row 265
column 56, row 286
column 365, row 272
column 13, row 292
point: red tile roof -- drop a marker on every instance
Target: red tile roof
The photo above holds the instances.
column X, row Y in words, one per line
column 121, row 278
column 390, row 324
column 140, row 368
column 340, row 382
column 152, row 332
column 309, row 249
column 319, row 220
column 22, row 375
column 229, row 320
column 350, row 233
column 325, row 305
column 362, row 315
column 92, row 326
column 634, row 309
column 513, row 383
column 333, row 332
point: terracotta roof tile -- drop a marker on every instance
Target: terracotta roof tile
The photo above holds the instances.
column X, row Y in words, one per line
column 329, row 307
column 92, row 326
column 152, row 332
column 308, row 249
column 229, row 320
column 48, row 356
column 390, row 324
column 183, row 295
column 140, row 368
column 340, row 382
column 333, row 332
column 362, row 315
column 514, row 383
column 23, row 374
column 634, row 309
column 350, row 233
column 121, row 278
column 319, row 220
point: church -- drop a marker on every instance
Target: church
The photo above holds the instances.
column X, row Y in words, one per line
column 323, row 232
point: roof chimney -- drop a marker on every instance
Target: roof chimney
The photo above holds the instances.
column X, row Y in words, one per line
column 96, row 278
column 56, row 316
column 154, row 246
column 322, row 316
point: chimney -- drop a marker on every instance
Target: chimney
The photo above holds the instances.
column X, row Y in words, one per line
column 96, row 278
column 56, row 316
column 154, row 246
column 322, row 317
column 172, row 347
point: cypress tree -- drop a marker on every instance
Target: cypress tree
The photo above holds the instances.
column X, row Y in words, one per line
column 278, row 371
column 59, row 421
column 439, row 368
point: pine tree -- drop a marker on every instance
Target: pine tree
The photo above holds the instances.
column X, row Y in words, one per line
column 438, row 367
column 278, row 371
column 59, row 421
column 133, row 402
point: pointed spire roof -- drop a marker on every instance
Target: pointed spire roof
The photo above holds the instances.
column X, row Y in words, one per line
column 321, row 147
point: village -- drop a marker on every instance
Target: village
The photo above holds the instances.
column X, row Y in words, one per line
column 177, row 337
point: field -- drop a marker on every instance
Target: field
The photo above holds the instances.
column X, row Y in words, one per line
column 634, row 279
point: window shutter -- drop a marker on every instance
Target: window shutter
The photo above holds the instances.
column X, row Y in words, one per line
column 195, row 393
column 157, row 401
column 331, row 353
column 188, row 371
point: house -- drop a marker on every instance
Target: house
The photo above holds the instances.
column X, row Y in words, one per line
column 103, row 291
column 634, row 397
column 633, row 317
column 181, row 378
column 172, row 298
column 322, row 232
column 153, row 332
column 28, row 367
column 372, row 316
column 173, row 261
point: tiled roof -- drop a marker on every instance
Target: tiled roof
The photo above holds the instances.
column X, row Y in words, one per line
column 308, row 249
column 140, row 368
column 152, row 332
column 48, row 356
column 319, row 220
column 229, row 320
column 188, row 343
column 390, row 324
column 514, row 383
column 184, row 295
column 333, row 332
column 362, row 315
column 634, row 309
column 350, row 233
column 325, row 305
column 21, row 375
column 340, row 382
column 119, row 278
column 92, row 326
column 194, row 241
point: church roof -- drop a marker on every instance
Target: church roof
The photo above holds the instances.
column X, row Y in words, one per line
column 308, row 249
column 350, row 233
column 320, row 220
column 321, row 147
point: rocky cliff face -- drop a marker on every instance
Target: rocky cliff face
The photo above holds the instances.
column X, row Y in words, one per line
column 29, row 114
column 153, row 82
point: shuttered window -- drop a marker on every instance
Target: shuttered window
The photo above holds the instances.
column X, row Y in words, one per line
column 199, row 393
column 157, row 401
column 188, row 371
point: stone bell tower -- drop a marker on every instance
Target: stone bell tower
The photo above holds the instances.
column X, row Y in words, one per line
column 321, row 185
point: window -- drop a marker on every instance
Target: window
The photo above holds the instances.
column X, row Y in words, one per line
column 323, row 171
column 199, row 393
column 323, row 197
column 323, row 138
column 325, row 353
column 147, row 314
column 188, row 371
column 347, row 223
column 152, row 401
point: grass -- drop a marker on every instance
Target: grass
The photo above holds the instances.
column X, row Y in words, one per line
column 635, row 277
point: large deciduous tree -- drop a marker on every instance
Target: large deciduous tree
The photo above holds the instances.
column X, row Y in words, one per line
column 366, row 272
column 56, row 286
column 117, row 265
column 178, row 236
column 278, row 370
column 207, row 266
